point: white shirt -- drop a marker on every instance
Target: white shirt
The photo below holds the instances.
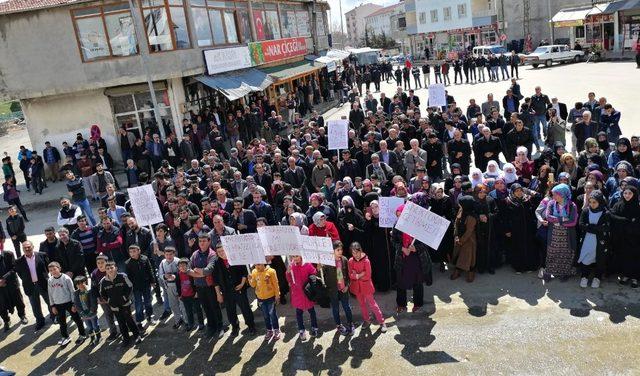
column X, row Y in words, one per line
column 31, row 262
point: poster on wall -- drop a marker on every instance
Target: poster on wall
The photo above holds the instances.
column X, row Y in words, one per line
column 274, row 50
column 227, row 59
column 272, row 28
column 258, row 21
column 320, row 24
column 302, row 21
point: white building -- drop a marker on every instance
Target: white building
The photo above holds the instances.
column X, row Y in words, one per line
column 380, row 21
column 355, row 19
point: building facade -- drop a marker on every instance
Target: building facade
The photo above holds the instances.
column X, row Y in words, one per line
column 355, row 19
column 89, row 67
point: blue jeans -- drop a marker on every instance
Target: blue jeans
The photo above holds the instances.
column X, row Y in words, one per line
column 142, row 302
column 341, row 298
column 91, row 325
column 86, row 210
column 268, row 307
column 300, row 319
column 494, row 73
column 34, row 299
column 539, row 121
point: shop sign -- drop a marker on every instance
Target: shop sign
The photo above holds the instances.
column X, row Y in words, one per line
column 569, row 23
column 275, row 50
column 227, row 59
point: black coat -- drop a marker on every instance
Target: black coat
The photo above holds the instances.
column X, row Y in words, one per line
column 70, row 257
column 141, row 238
column 602, row 232
column 140, row 272
column 228, row 277
column 484, row 145
column 42, row 271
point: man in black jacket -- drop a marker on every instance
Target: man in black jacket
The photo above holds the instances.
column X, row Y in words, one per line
column 15, row 229
column 262, row 209
column 519, row 136
column 356, row 115
column 10, row 296
column 115, row 289
column 486, row 149
column 293, row 175
column 243, row 220
column 232, row 281
column 34, row 273
column 137, row 235
column 140, row 272
column 459, row 151
column 69, row 255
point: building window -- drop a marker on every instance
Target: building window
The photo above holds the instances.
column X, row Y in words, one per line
column 166, row 25
column 579, row 31
column 267, row 23
column 462, row 10
column 135, row 111
column 434, row 15
column 423, row 18
column 220, row 22
column 446, row 14
column 402, row 22
column 105, row 31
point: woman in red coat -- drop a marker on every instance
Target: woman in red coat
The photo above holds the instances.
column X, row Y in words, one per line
column 361, row 285
column 322, row 227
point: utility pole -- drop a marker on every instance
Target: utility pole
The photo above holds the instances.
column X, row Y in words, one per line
column 551, row 28
column 144, row 62
column 341, row 22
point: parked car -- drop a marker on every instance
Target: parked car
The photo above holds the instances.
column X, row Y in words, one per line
column 548, row 55
column 497, row 50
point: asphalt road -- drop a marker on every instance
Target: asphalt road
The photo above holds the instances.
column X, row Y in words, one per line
column 500, row 324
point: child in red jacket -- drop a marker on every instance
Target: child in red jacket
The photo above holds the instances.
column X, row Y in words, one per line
column 298, row 275
column 361, row 285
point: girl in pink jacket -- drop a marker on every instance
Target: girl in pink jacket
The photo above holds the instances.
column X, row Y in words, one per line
column 298, row 275
column 361, row 285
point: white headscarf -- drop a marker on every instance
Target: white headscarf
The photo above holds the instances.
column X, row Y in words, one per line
column 509, row 177
column 475, row 180
column 496, row 173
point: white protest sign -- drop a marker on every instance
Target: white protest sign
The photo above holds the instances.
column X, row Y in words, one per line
column 317, row 250
column 338, row 134
column 388, row 206
column 437, row 96
column 422, row 224
column 243, row 249
column 145, row 205
column 280, row 240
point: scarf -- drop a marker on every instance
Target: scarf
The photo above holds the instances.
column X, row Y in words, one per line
column 509, row 173
column 561, row 210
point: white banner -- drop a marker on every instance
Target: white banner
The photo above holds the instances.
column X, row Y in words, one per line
column 422, row 224
column 145, row 205
column 227, row 59
column 243, row 249
column 338, row 134
column 388, row 206
column 280, row 240
column 317, row 250
column 437, row 96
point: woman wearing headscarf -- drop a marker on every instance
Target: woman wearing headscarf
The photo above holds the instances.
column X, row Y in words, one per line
column 464, row 249
column 594, row 243
column 547, row 157
column 625, row 229
column 500, row 194
column 379, row 249
column 456, row 170
column 350, row 222
column 300, row 221
column 540, row 183
column 475, row 177
column 456, row 190
column 486, row 210
column 568, row 164
column 623, row 152
column 441, row 205
column 367, row 194
column 561, row 217
column 520, row 230
column 525, row 168
column 322, row 227
column 412, row 266
column 509, row 174
column 591, row 149
column 319, row 205
column 493, row 170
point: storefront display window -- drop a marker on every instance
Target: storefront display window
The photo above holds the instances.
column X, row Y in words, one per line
column 104, row 32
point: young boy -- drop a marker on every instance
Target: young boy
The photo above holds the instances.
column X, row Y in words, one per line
column 265, row 281
column 337, row 281
column 140, row 273
column 167, row 276
column 115, row 289
column 96, row 276
column 187, row 294
column 61, row 295
column 86, row 304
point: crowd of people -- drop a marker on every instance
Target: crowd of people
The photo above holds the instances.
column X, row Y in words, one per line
column 557, row 212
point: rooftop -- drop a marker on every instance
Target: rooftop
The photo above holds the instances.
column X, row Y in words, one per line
column 384, row 10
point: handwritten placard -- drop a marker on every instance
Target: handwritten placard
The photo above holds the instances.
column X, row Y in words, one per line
column 422, row 224
column 280, row 240
column 437, row 95
column 145, row 205
column 388, row 207
column 243, row 249
column 338, row 134
column 317, row 250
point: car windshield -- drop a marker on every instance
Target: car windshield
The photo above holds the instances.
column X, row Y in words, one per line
column 540, row 50
column 498, row 50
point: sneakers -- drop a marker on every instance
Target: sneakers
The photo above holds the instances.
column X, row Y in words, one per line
column 584, row 282
column 39, row 326
column 138, row 340
column 303, row 335
column 400, row 309
column 23, row 320
column 276, row 335
column 314, row 332
column 341, row 329
column 541, row 273
column 383, row 328
column 415, row 308
column 595, row 283
column 80, row 340
column 64, row 341
column 151, row 321
column 92, row 340
column 268, row 335
column 351, row 328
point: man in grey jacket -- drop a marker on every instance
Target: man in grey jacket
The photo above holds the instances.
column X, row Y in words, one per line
column 488, row 105
column 414, row 157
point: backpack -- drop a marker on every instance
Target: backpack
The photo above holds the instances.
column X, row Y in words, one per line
column 315, row 291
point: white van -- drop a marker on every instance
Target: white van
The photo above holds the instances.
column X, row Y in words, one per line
column 486, row 50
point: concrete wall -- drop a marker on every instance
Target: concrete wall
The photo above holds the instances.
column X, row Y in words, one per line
column 59, row 118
